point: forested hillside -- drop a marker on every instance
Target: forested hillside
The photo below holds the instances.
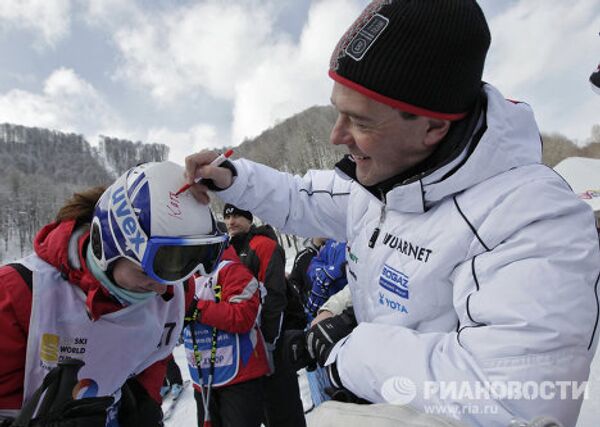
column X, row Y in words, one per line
column 42, row 168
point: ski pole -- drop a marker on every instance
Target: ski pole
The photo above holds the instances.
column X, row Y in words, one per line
column 198, row 360
column 213, row 358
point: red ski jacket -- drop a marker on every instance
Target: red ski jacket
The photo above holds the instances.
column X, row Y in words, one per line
column 237, row 313
column 51, row 244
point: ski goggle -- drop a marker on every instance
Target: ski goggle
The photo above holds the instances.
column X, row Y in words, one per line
column 169, row 259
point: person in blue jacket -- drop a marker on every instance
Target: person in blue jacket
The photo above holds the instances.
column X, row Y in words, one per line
column 327, row 275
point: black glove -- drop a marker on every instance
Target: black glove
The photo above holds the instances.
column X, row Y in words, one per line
column 343, row 395
column 53, row 404
column 137, row 408
column 321, row 338
column 293, row 354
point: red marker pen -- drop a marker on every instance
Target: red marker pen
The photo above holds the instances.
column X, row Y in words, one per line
column 215, row 162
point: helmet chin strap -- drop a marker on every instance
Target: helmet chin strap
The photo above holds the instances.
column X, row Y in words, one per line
column 125, row 297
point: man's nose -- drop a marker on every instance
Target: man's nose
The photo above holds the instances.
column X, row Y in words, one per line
column 340, row 134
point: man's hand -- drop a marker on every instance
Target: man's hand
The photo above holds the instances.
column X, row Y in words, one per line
column 199, row 165
column 322, row 337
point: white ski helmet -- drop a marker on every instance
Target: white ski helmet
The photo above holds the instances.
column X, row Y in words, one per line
column 139, row 217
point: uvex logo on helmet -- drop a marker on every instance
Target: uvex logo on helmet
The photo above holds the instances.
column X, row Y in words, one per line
column 127, row 222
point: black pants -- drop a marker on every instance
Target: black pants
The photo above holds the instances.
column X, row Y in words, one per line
column 238, row 405
column 173, row 373
column 283, row 405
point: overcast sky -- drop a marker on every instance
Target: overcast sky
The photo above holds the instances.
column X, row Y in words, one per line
column 197, row 74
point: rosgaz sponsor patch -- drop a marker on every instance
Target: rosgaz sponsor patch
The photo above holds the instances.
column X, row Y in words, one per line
column 394, row 281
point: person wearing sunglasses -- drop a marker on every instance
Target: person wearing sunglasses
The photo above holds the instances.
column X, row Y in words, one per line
column 89, row 318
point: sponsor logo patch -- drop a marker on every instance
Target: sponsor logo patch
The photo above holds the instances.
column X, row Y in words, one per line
column 49, row 348
column 55, row 349
column 367, row 35
column 127, row 221
column 361, row 22
column 394, row 281
column 86, row 387
column 391, row 304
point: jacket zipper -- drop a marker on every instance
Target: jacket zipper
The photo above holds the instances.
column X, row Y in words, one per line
column 377, row 230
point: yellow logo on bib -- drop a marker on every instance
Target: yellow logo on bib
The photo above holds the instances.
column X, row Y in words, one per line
column 49, row 348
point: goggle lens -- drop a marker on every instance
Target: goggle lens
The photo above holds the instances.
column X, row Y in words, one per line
column 172, row 263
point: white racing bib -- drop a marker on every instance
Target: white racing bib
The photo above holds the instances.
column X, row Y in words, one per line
column 115, row 347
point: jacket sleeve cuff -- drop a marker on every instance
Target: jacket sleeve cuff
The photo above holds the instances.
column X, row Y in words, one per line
column 334, row 376
column 210, row 183
column 240, row 179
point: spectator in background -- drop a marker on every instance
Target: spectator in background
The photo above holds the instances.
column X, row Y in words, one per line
column 327, row 274
column 258, row 249
column 298, row 277
column 225, row 348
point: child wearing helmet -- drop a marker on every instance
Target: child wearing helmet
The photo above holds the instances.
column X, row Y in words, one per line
column 90, row 316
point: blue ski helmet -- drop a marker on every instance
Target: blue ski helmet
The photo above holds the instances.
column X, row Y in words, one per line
column 139, row 217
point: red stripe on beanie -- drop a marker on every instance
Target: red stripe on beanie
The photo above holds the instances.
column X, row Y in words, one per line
column 394, row 103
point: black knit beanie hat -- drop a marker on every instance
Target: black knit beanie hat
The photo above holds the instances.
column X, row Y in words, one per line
column 229, row 209
column 420, row 56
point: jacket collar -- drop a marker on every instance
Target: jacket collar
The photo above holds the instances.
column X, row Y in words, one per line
column 449, row 149
column 497, row 136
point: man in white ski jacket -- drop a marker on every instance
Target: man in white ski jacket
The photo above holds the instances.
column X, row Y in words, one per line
column 471, row 265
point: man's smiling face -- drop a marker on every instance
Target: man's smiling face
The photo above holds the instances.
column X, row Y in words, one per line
column 381, row 141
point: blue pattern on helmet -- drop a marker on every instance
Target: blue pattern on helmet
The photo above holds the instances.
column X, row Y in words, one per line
column 136, row 182
column 142, row 205
column 120, row 240
column 101, row 213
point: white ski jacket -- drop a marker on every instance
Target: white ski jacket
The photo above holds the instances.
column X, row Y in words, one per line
column 483, row 271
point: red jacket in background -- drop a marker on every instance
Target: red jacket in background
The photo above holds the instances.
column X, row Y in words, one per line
column 237, row 313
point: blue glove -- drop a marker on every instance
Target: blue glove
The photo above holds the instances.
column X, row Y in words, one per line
column 320, row 291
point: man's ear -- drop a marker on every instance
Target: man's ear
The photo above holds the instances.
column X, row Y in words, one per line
column 436, row 131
